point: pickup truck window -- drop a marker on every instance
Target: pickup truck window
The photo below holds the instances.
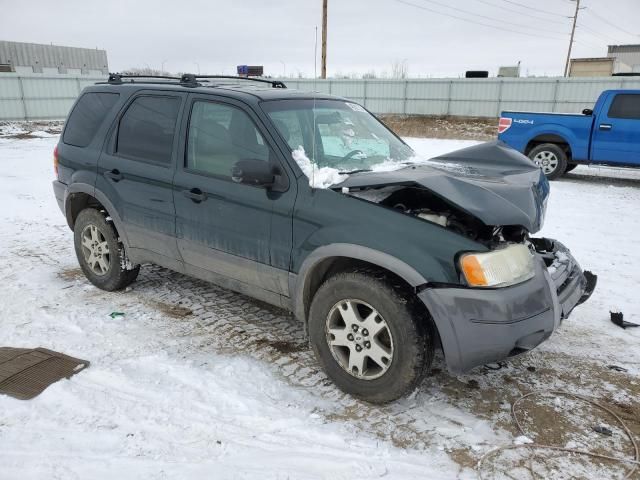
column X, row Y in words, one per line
column 625, row 106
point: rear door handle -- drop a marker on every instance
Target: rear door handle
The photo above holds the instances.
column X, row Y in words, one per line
column 114, row 175
column 605, row 126
column 195, row 194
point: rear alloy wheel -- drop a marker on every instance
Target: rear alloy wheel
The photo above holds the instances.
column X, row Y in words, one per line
column 370, row 335
column 100, row 253
column 550, row 158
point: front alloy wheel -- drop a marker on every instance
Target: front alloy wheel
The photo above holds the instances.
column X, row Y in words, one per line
column 371, row 335
column 360, row 339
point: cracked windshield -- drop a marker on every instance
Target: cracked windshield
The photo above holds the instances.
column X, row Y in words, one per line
column 347, row 137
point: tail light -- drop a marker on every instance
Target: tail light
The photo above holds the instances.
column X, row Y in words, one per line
column 504, row 124
column 55, row 161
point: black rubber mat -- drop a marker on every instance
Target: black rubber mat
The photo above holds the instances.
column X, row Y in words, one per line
column 25, row 373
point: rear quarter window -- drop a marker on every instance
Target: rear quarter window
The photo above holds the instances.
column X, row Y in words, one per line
column 87, row 116
column 625, row 106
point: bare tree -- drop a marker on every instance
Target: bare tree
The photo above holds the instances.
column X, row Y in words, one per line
column 145, row 71
column 399, row 69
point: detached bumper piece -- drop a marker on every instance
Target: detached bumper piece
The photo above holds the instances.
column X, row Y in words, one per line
column 479, row 326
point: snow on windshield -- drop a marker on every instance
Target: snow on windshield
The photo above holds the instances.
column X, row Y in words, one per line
column 326, row 177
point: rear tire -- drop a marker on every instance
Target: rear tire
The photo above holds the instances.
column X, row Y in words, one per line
column 99, row 252
column 401, row 336
column 551, row 158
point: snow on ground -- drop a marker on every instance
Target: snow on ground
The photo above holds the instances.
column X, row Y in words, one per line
column 197, row 381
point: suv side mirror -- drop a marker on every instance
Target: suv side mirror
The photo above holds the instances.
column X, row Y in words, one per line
column 254, row 172
column 587, row 111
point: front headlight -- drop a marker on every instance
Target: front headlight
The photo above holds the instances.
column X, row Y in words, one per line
column 498, row 268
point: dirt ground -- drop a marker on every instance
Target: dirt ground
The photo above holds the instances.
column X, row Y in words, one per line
column 459, row 128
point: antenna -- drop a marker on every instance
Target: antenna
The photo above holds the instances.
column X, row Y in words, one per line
column 315, row 79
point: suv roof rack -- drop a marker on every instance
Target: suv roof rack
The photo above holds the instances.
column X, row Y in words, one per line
column 187, row 79
column 190, row 78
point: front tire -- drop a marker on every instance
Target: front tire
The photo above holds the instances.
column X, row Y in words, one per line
column 99, row 252
column 550, row 158
column 370, row 336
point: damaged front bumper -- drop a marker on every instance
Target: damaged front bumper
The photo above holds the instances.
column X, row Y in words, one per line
column 479, row 326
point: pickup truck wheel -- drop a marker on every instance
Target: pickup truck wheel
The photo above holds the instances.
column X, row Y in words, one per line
column 100, row 253
column 551, row 158
column 369, row 336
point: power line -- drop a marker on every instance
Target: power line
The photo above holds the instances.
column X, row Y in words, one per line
column 535, row 9
column 421, row 7
column 493, row 19
column 589, row 10
column 528, row 15
column 604, row 36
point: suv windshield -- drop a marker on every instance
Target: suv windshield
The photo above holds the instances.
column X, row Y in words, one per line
column 337, row 135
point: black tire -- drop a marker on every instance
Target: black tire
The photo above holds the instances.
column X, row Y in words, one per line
column 570, row 166
column 114, row 277
column 550, row 150
column 409, row 325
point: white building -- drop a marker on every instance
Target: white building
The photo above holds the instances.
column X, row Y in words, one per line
column 629, row 54
column 52, row 59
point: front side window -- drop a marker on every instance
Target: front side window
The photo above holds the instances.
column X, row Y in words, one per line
column 87, row 116
column 219, row 136
column 147, row 129
column 625, row 106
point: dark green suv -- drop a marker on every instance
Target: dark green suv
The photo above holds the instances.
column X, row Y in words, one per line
column 308, row 202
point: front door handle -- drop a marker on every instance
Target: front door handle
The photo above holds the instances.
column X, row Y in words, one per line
column 114, row 175
column 605, row 126
column 195, row 194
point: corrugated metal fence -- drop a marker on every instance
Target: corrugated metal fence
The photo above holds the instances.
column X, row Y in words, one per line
column 471, row 97
column 40, row 97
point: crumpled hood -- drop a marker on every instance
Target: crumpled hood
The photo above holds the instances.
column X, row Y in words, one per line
column 490, row 181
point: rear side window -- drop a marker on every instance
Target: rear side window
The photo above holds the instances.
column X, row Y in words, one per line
column 87, row 116
column 625, row 106
column 147, row 129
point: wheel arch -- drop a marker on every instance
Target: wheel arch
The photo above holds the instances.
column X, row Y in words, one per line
column 330, row 259
column 553, row 138
column 81, row 196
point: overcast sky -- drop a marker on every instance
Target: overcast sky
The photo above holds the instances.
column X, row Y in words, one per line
column 215, row 36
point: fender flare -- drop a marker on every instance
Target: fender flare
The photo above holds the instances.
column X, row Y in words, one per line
column 299, row 284
column 558, row 131
column 104, row 201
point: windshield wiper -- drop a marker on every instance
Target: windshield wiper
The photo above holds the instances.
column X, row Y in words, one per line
column 355, row 171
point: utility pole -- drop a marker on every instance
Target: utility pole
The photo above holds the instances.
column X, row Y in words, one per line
column 573, row 31
column 324, row 39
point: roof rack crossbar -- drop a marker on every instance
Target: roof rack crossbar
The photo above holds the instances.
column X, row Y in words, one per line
column 117, row 77
column 190, row 78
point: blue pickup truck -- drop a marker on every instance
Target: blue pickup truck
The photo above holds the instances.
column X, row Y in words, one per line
column 608, row 135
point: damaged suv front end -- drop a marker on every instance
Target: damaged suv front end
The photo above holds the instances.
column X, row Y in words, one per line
column 512, row 293
column 456, row 228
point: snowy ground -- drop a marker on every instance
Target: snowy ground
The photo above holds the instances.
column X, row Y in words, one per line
column 196, row 381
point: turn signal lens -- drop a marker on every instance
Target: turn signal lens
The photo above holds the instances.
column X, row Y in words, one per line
column 498, row 268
